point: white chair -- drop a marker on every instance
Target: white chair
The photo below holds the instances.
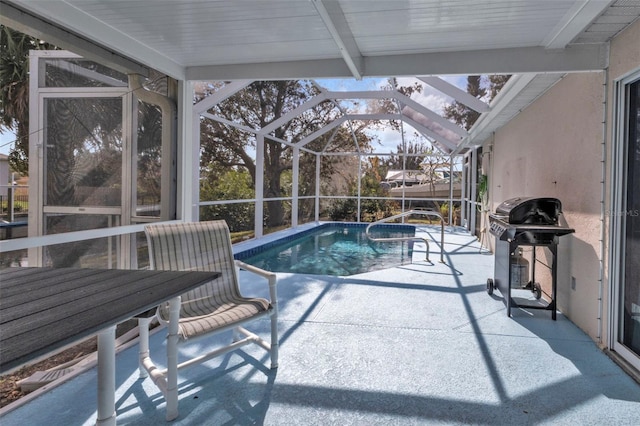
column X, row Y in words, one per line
column 215, row 307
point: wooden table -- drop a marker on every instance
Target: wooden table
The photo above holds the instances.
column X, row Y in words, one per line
column 45, row 309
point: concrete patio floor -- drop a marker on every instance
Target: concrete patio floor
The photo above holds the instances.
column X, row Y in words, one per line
column 417, row 344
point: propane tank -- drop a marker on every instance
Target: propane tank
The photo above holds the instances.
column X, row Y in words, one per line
column 519, row 267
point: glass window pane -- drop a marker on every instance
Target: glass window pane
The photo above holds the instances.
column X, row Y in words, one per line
column 149, row 160
column 95, row 253
column 83, row 156
column 13, row 259
column 81, row 73
column 630, row 319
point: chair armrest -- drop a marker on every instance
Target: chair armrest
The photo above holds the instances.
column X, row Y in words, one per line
column 271, row 276
column 254, row 269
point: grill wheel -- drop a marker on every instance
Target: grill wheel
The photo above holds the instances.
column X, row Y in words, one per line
column 490, row 286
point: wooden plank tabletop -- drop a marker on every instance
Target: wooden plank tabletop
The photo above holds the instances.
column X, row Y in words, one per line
column 45, row 309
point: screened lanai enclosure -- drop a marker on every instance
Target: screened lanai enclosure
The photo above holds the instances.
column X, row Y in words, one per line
column 275, row 114
column 303, row 151
column 268, row 155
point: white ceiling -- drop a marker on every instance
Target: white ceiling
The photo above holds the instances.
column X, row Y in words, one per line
column 262, row 39
column 294, row 39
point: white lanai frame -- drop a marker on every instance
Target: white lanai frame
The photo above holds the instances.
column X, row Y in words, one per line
column 442, row 133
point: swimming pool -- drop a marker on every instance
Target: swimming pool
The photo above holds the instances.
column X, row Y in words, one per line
column 333, row 249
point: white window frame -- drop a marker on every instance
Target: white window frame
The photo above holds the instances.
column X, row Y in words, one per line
column 618, row 203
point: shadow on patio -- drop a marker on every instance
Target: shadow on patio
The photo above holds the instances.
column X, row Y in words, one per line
column 417, row 344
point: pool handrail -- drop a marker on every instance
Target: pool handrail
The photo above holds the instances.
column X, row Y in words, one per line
column 409, row 213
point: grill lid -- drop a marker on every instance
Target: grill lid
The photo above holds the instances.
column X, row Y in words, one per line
column 530, row 210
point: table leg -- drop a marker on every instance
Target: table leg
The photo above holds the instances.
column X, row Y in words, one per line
column 107, row 377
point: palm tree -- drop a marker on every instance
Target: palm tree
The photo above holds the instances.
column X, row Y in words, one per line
column 14, row 96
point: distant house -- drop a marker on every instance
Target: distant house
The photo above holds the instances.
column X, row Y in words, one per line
column 4, row 174
column 422, row 183
column 406, row 177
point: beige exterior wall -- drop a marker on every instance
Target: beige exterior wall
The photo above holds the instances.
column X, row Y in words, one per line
column 554, row 148
column 625, row 52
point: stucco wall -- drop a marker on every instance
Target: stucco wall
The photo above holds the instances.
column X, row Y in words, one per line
column 625, row 52
column 554, row 149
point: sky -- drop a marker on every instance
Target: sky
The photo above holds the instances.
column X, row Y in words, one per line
column 6, row 142
column 430, row 98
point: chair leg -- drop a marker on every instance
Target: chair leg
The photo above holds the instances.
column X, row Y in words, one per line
column 236, row 335
column 143, row 330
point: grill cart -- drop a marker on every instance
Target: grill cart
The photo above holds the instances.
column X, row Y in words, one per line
column 524, row 222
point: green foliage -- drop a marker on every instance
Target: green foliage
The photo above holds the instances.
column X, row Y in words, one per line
column 483, row 189
column 444, row 211
column 344, row 210
column 229, row 185
column 14, row 91
column 411, row 162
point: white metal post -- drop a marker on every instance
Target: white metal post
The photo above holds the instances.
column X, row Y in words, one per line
column 451, row 191
column 36, row 157
column 11, row 203
column 294, row 189
column 128, row 194
column 317, row 198
column 259, row 188
column 359, row 185
column 464, row 196
column 188, row 155
column 473, row 190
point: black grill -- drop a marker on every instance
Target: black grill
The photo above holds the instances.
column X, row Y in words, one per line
column 528, row 221
column 524, row 221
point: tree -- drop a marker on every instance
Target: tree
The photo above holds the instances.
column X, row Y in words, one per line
column 232, row 184
column 261, row 103
column 459, row 112
column 496, row 83
column 413, row 159
column 476, row 86
column 370, row 187
column 14, row 96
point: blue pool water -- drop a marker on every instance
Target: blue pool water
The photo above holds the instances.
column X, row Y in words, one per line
column 334, row 249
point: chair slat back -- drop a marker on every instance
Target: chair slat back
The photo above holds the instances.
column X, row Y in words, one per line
column 196, row 246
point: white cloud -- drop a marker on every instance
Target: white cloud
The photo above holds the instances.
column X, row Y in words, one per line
column 388, row 137
column 430, row 97
column 351, row 84
column 434, row 101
